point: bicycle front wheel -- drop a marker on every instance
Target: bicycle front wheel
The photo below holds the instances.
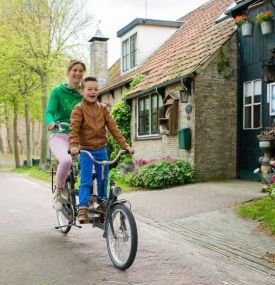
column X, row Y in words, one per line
column 122, row 245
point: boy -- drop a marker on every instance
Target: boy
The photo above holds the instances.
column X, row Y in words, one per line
column 89, row 120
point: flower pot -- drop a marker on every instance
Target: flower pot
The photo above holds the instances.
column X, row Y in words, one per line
column 267, row 27
column 247, row 29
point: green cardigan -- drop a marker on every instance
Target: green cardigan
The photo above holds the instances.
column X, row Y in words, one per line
column 60, row 105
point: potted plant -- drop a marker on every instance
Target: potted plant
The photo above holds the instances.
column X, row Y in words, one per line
column 265, row 19
column 246, row 25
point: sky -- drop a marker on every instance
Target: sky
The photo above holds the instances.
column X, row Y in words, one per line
column 115, row 14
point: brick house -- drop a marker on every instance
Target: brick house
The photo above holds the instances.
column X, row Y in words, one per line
column 189, row 84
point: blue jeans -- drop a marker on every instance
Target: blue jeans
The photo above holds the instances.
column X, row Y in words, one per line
column 86, row 165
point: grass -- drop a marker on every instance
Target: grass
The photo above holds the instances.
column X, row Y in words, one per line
column 125, row 187
column 262, row 211
column 33, row 172
column 36, row 173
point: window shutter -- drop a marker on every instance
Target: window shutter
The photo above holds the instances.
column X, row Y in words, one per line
column 173, row 118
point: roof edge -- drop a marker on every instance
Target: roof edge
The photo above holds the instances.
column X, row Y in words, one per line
column 164, row 84
column 149, row 22
column 243, row 5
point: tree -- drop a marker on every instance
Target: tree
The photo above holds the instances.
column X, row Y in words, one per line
column 43, row 30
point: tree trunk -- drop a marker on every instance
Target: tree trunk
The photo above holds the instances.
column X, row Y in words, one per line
column 33, row 138
column 15, row 134
column 28, row 134
column 44, row 131
column 9, row 139
column 2, row 148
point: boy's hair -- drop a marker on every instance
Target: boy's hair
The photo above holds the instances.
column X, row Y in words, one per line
column 86, row 79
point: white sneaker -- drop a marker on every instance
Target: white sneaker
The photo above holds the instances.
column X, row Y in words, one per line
column 57, row 204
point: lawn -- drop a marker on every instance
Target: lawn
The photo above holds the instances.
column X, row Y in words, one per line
column 33, row 172
column 36, row 173
column 262, row 211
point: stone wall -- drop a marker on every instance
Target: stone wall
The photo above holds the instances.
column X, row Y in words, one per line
column 215, row 121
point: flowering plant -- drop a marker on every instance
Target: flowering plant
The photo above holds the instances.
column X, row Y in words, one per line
column 264, row 16
column 242, row 19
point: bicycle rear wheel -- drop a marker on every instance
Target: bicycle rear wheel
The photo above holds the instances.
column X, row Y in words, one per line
column 122, row 246
column 65, row 216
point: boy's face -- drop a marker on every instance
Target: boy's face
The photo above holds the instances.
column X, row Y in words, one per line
column 90, row 91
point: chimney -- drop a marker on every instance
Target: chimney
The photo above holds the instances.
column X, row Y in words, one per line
column 99, row 57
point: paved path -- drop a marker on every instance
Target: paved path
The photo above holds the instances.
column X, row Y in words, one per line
column 187, row 235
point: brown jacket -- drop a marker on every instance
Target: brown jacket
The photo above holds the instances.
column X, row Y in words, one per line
column 88, row 126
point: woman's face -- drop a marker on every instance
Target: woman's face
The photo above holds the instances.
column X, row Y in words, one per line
column 76, row 73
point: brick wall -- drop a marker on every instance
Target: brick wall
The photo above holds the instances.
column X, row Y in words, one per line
column 164, row 145
column 215, row 111
column 213, row 121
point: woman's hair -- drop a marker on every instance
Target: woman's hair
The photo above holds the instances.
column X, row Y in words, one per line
column 86, row 79
column 73, row 62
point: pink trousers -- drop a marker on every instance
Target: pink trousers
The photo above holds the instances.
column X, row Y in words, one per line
column 59, row 145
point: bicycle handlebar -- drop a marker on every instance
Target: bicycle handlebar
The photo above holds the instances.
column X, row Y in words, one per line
column 104, row 162
column 59, row 125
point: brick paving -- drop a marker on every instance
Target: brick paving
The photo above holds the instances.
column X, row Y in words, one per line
column 179, row 245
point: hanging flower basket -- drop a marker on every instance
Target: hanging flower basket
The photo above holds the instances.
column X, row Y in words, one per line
column 265, row 19
column 246, row 25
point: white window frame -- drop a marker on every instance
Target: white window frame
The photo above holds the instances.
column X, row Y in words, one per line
column 252, row 104
column 271, row 94
column 150, row 116
column 126, row 66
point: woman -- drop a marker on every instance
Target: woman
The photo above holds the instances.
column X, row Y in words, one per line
column 61, row 102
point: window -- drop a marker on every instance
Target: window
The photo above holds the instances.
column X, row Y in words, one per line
column 129, row 53
column 252, row 104
column 271, row 92
column 148, row 107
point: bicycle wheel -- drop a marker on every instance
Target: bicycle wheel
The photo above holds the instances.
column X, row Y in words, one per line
column 65, row 216
column 122, row 246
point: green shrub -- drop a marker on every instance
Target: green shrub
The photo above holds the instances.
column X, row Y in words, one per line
column 122, row 115
column 162, row 174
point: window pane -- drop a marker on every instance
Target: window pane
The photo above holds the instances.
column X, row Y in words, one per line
column 155, row 125
column 257, row 116
column 133, row 48
column 247, row 100
column 154, row 112
column 147, row 110
column 247, row 117
column 125, row 55
column 248, row 89
column 141, row 122
column 160, row 101
column 257, row 99
column 257, row 87
column 143, row 116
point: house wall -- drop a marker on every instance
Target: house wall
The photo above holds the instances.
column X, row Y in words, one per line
column 164, row 145
column 215, row 105
column 253, row 52
column 111, row 100
column 213, row 121
column 149, row 38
